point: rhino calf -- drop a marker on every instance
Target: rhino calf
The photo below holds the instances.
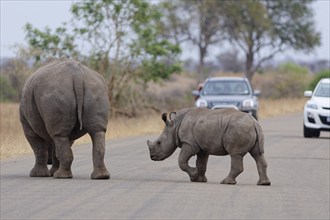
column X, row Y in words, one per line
column 207, row 132
column 60, row 102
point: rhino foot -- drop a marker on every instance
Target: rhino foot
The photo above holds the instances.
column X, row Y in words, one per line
column 263, row 182
column 53, row 170
column 202, row 179
column 40, row 172
column 61, row 173
column 100, row 174
column 228, row 181
column 193, row 175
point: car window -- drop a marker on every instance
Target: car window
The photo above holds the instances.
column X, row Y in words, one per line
column 323, row 90
column 226, row 88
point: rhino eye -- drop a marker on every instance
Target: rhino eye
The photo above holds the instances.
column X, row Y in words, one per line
column 158, row 142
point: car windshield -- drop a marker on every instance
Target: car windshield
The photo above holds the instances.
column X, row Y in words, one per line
column 323, row 90
column 226, row 88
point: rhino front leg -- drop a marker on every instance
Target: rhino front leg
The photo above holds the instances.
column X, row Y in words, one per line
column 235, row 169
column 100, row 171
column 201, row 163
column 55, row 163
column 50, row 153
column 186, row 153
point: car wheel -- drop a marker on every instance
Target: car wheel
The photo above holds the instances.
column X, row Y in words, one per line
column 309, row 132
column 316, row 133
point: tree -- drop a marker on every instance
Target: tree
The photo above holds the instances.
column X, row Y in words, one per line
column 262, row 29
column 43, row 44
column 196, row 22
column 230, row 61
column 7, row 92
column 119, row 39
column 13, row 73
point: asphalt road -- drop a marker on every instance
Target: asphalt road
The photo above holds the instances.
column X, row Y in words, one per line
column 143, row 189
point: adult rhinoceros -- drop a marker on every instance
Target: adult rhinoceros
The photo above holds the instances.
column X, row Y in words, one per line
column 207, row 132
column 60, row 102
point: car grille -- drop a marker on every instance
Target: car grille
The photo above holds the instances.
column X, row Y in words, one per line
column 237, row 104
column 324, row 120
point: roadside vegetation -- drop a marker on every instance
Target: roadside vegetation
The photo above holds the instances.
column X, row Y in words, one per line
column 281, row 93
column 13, row 141
column 135, row 45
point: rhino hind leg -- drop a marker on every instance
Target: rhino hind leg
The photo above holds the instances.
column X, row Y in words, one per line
column 100, row 171
column 55, row 163
column 65, row 157
column 262, row 168
column 40, row 149
column 235, row 169
column 50, row 154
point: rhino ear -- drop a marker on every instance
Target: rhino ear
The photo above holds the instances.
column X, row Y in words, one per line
column 172, row 116
column 164, row 117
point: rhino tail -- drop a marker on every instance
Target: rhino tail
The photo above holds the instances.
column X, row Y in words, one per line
column 78, row 86
column 260, row 138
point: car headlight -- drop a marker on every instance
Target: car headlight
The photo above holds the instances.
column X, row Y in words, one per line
column 311, row 105
column 310, row 115
column 201, row 103
column 248, row 103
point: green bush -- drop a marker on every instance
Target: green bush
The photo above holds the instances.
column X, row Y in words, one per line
column 293, row 68
column 317, row 77
column 289, row 80
column 7, row 92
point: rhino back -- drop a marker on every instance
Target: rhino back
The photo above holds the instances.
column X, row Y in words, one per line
column 218, row 132
column 49, row 99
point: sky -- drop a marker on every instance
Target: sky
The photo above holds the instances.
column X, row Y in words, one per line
column 16, row 13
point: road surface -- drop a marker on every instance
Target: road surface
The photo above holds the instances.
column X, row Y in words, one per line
column 143, row 189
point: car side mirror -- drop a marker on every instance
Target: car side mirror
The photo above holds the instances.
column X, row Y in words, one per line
column 308, row 93
column 256, row 92
column 196, row 93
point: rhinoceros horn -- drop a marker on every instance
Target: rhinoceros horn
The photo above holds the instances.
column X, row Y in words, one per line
column 149, row 143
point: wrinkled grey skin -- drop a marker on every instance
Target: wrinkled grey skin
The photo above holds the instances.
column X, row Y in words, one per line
column 204, row 132
column 61, row 102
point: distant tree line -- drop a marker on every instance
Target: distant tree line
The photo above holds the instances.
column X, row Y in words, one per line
column 133, row 42
column 259, row 29
column 137, row 29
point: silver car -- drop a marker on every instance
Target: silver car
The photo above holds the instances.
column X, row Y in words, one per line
column 228, row 92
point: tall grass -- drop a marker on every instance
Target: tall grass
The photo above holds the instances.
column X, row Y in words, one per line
column 12, row 139
column 13, row 142
column 275, row 107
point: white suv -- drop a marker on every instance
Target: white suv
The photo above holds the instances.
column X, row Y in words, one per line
column 317, row 109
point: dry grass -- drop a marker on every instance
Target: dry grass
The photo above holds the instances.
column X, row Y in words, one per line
column 13, row 142
column 271, row 108
column 128, row 127
column 12, row 139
